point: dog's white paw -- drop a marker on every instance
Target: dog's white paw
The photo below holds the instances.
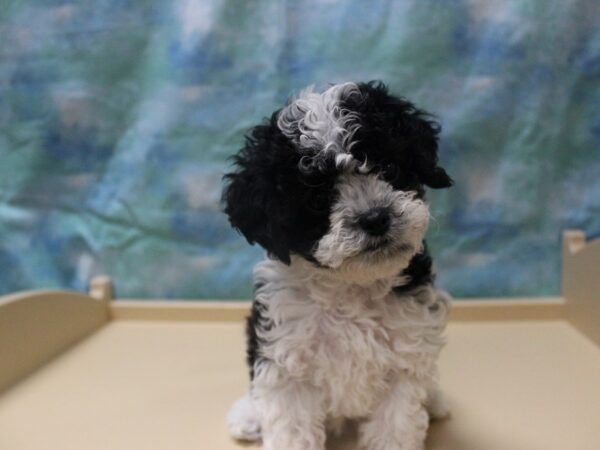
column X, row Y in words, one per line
column 437, row 405
column 243, row 422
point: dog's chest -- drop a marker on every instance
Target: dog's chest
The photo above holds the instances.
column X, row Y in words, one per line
column 351, row 358
column 350, row 349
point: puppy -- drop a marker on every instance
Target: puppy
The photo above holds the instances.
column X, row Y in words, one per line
column 345, row 321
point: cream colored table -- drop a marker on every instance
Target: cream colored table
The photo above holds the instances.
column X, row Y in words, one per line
column 82, row 372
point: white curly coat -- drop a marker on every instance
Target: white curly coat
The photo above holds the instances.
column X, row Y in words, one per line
column 337, row 351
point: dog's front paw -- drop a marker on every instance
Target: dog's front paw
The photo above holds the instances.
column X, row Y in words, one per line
column 437, row 405
column 394, row 445
column 243, row 422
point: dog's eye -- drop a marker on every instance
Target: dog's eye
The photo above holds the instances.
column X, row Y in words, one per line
column 391, row 172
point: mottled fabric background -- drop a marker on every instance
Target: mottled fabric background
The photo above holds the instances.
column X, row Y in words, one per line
column 117, row 118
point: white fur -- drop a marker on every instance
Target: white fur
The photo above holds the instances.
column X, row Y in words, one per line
column 343, row 247
column 317, row 123
column 243, row 422
column 341, row 350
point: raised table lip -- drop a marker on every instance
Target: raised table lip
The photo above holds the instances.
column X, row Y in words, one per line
column 44, row 294
column 466, row 309
column 201, row 309
column 544, row 308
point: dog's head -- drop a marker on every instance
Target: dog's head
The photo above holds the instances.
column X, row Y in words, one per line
column 338, row 178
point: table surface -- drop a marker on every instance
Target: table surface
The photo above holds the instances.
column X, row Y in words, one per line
column 525, row 385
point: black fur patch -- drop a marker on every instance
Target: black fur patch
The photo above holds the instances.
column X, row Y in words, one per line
column 399, row 140
column 273, row 199
column 255, row 322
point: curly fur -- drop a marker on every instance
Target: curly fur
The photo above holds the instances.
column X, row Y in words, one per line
column 345, row 322
column 318, row 124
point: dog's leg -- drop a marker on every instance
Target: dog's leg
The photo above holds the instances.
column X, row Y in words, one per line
column 292, row 416
column 243, row 421
column 437, row 405
column 400, row 422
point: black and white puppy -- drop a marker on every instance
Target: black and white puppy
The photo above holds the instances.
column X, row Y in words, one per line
column 345, row 322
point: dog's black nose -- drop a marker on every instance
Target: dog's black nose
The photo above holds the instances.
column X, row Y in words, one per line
column 375, row 221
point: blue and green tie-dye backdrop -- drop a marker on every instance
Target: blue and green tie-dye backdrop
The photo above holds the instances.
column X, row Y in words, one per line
column 117, row 118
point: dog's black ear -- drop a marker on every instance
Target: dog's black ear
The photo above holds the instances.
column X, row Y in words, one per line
column 411, row 132
column 425, row 152
column 252, row 197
